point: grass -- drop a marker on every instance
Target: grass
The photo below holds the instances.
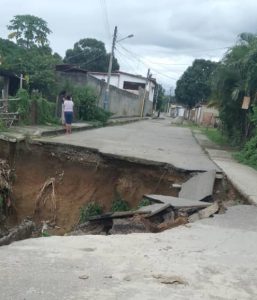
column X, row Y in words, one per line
column 89, row 210
column 215, row 136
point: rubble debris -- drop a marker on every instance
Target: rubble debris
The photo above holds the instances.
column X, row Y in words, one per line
column 219, row 176
column 93, row 227
column 199, row 187
column 21, row 232
column 176, row 202
column 176, row 186
column 172, row 223
column 204, row 213
column 128, row 225
column 166, row 212
column 118, row 214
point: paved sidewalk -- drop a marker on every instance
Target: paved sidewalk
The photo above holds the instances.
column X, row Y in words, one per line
column 243, row 178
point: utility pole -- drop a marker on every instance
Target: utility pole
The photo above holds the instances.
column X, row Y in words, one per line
column 169, row 102
column 156, row 97
column 143, row 101
column 106, row 98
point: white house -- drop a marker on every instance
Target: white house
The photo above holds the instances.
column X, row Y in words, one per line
column 128, row 82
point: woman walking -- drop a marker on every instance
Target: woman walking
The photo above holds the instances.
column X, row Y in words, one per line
column 68, row 113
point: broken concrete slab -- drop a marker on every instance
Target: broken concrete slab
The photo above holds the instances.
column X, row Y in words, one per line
column 128, row 225
column 204, row 213
column 118, row 214
column 198, row 187
column 175, row 202
column 21, row 232
column 176, row 186
column 154, row 208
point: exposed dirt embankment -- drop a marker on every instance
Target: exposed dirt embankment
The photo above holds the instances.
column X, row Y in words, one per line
column 53, row 183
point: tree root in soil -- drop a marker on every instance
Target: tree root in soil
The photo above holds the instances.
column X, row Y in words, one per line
column 43, row 196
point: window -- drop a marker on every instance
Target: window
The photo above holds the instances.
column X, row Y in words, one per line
column 128, row 85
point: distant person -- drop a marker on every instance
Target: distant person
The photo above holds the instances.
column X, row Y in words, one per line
column 68, row 113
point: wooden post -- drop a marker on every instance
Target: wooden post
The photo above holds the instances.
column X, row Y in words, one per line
column 21, row 81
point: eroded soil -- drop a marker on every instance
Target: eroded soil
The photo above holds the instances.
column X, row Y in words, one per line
column 79, row 176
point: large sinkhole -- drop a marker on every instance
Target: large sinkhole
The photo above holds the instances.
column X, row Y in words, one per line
column 53, row 183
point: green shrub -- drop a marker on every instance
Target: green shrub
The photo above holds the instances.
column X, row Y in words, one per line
column 249, row 153
column 86, row 106
column 119, row 205
column 45, row 111
column 23, row 105
column 89, row 210
column 101, row 115
column 144, row 202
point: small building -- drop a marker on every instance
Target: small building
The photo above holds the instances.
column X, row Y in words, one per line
column 129, row 82
column 203, row 115
column 9, row 83
column 122, row 102
column 176, row 111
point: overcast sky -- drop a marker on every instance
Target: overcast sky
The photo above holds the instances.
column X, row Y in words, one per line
column 168, row 34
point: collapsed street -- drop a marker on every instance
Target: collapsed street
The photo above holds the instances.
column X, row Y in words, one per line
column 201, row 259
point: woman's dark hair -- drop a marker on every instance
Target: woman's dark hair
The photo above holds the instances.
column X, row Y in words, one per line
column 68, row 97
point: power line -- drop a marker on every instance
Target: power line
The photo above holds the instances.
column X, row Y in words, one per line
column 213, row 49
column 106, row 22
column 124, row 58
column 156, row 71
column 166, row 64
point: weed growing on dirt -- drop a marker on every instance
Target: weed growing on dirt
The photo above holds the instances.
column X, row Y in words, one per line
column 45, row 234
column 119, row 204
column 144, row 202
column 89, row 210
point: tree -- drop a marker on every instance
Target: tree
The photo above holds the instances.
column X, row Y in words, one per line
column 29, row 31
column 91, row 55
column 194, row 85
column 236, row 77
column 36, row 64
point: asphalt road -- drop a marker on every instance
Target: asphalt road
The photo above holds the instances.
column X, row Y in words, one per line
column 151, row 140
column 210, row 259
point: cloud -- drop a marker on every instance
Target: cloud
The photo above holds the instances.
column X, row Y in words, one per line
column 169, row 34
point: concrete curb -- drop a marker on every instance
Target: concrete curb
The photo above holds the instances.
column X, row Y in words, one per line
column 17, row 137
column 242, row 177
